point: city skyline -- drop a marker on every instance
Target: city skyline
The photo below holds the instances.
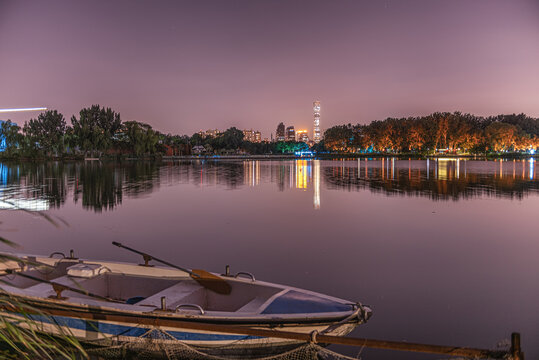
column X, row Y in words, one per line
column 374, row 60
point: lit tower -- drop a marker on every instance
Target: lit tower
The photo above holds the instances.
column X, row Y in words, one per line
column 316, row 108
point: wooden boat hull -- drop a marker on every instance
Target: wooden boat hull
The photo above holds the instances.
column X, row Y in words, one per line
column 157, row 340
column 139, row 308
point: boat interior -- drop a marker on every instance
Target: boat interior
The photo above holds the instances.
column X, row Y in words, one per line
column 129, row 285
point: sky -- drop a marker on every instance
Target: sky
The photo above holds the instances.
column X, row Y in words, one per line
column 183, row 66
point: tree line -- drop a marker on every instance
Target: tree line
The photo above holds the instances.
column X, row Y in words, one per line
column 98, row 130
column 447, row 132
column 94, row 132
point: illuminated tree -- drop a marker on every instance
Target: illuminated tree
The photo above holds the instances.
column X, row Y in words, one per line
column 416, row 136
column 10, row 133
column 338, row 138
column 501, row 136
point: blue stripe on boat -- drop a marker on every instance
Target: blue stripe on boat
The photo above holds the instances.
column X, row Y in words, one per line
column 295, row 302
column 123, row 330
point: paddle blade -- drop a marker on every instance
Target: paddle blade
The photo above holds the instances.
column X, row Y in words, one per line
column 211, row 281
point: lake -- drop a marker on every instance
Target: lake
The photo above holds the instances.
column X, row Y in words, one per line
column 445, row 251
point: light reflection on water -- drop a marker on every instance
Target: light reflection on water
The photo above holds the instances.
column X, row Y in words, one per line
column 445, row 250
column 97, row 186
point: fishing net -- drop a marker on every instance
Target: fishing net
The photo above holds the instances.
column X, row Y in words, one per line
column 157, row 344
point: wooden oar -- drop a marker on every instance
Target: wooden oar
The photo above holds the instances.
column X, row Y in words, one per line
column 208, row 280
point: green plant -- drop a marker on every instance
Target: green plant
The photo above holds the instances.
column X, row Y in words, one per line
column 20, row 332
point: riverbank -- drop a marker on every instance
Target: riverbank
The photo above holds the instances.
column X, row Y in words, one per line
column 349, row 156
column 326, row 156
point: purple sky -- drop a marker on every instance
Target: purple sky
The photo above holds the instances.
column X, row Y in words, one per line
column 183, row 66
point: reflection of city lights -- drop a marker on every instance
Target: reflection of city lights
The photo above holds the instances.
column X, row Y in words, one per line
column 316, row 184
column 251, row 172
column 443, row 168
column 301, row 174
column 532, row 160
column 366, row 169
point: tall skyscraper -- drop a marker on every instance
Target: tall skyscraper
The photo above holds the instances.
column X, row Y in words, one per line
column 252, row 135
column 279, row 134
column 316, row 132
column 301, row 135
column 290, row 134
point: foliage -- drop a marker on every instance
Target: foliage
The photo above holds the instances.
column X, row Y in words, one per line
column 99, row 130
column 140, row 138
column 261, row 148
column 20, row 333
column 95, row 128
column 501, row 136
column 339, row 138
column 288, row 147
column 46, row 133
column 450, row 132
column 231, row 139
column 11, row 134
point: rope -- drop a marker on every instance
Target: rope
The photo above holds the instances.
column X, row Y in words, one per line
column 313, row 336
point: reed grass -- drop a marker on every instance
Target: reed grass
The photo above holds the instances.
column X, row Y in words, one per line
column 20, row 332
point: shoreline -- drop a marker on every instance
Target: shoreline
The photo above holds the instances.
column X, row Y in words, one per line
column 270, row 157
column 348, row 156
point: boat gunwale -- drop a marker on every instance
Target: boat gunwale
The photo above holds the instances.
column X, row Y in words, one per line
column 135, row 270
column 53, row 305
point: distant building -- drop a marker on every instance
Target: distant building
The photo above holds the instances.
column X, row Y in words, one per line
column 279, row 134
column 252, row 136
column 316, row 132
column 301, row 135
column 209, row 133
column 198, row 149
column 290, row 134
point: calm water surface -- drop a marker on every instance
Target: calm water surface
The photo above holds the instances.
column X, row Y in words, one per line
column 445, row 251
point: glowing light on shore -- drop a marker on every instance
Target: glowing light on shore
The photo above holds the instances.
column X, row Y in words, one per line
column 23, row 109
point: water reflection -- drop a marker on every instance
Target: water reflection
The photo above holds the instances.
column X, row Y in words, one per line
column 437, row 179
column 101, row 186
column 97, row 186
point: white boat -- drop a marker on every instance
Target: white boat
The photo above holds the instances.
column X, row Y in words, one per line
column 105, row 304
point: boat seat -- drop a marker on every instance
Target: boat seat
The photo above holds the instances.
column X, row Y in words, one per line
column 183, row 292
column 254, row 305
column 46, row 289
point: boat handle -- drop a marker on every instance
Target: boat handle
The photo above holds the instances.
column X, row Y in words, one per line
column 247, row 274
column 191, row 305
column 57, row 253
column 103, row 268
